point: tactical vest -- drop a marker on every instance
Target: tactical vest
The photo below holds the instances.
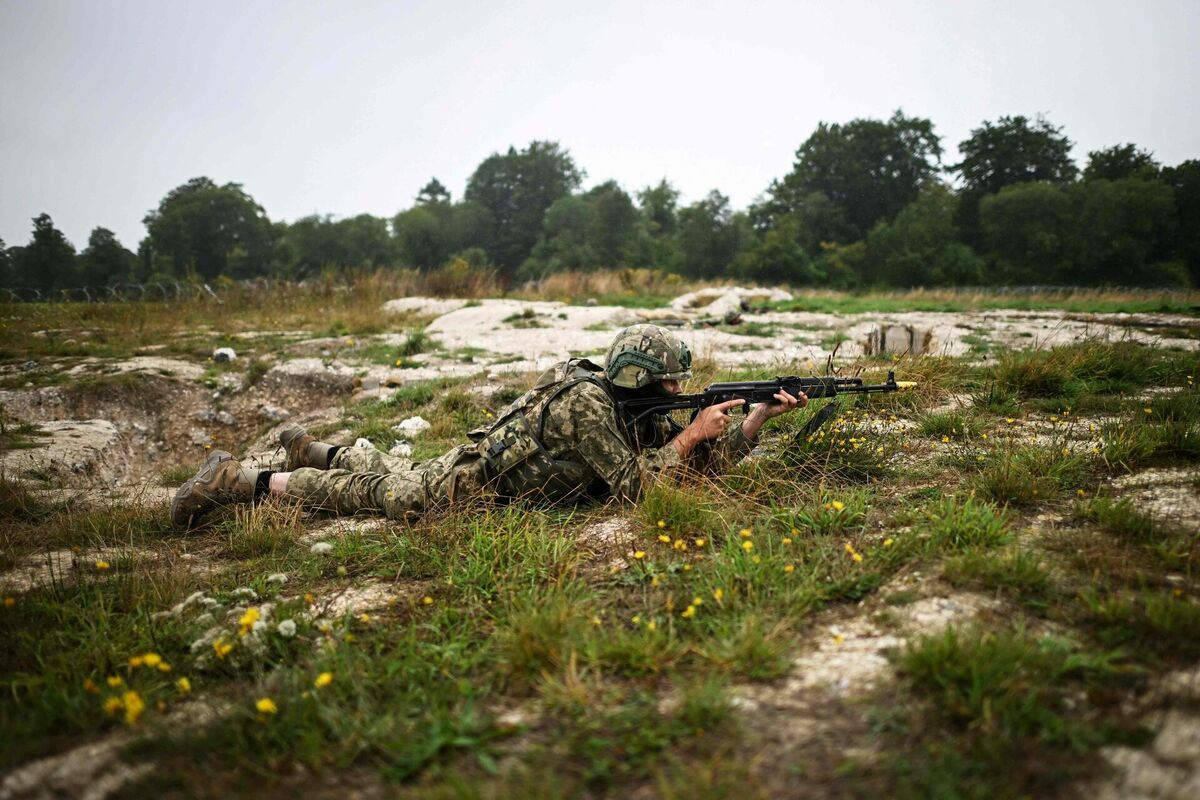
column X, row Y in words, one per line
column 516, row 461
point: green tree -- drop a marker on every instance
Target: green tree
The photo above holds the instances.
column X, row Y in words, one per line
column 48, row 261
column 564, row 243
column 516, row 189
column 711, row 236
column 1028, row 233
column 777, row 257
column 315, row 243
column 1184, row 181
column 6, row 274
column 433, row 193
column 420, row 237
column 105, row 262
column 1120, row 161
column 867, row 169
column 612, row 226
column 1125, row 231
column 1010, row 151
column 920, row 246
column 210, row 230
column 658, row 205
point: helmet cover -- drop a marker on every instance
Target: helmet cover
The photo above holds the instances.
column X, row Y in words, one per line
column 644, row 354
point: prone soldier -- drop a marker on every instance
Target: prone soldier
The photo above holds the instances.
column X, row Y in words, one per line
column 564, row 440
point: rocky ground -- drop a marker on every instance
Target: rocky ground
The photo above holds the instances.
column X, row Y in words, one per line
column 120, row 432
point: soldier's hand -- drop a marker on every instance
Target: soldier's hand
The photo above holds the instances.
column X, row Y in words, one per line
column 784, row 403
column 708, row 424
column 762, row 412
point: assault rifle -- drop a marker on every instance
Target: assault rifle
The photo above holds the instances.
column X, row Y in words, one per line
column 763, row 392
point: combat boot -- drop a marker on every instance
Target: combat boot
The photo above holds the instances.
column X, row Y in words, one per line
column 303, row 450
column 220, row 481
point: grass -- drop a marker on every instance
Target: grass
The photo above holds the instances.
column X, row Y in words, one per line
column 631, row 674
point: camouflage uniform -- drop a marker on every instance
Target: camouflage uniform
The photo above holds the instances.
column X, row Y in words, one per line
column 560, row 441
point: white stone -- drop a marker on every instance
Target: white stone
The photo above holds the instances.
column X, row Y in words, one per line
column 223, row 354
column 321, row 548
column 401, row 450
column 413, row 426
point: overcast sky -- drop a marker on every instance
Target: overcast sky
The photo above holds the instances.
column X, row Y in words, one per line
column 350, row 107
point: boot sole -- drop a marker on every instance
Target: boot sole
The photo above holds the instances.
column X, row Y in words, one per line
column 180, row 514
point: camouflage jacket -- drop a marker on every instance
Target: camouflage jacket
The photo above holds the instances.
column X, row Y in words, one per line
column 572, row 414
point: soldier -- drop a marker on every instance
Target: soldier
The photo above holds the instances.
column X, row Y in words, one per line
column 563, row 440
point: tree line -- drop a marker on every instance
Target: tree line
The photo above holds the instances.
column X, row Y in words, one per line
column 867, row 203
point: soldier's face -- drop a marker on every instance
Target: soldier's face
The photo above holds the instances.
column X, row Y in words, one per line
column 672, row 387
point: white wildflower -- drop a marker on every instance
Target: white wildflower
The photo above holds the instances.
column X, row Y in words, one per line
column 279, row 578
column 321, row 548
column 287, row 628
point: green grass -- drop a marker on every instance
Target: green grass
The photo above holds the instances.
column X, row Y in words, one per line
column 625, row 667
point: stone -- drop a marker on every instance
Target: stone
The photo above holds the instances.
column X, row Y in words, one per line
column 413, row 426
column 401, row 450
column 273, row 413
column 223, row 355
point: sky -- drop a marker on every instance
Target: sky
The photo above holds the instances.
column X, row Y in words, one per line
column 349, row 107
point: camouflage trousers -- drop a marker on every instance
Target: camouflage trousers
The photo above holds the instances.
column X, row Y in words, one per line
column 365, row 480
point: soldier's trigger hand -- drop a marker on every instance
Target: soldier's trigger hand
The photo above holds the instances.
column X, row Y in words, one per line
column 711, row 422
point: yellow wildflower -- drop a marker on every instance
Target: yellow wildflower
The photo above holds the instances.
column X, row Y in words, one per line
column 789, row 568
column 427, row 600
column 248, row 619
column 1081, row 492
column 636, row 619
column 265, row 705
column 90, row 686
column 136, row 661
column 151, row 659
column 184, row 685
column 163, row 666
column 838, row 638
column 662, row 523
column 697, row 601
column 596, row 620
column 747, row 545
column 309, row 599
column 9, row 602
column 945, row 439
column 687, row 567
column 1009, row 420
column 640, row 554
column 102, row 565
column 888, row 542
column 718, row 594
column 323, row 680
column 112, row 705
column 838, row 505
column 1148, row 410
column 699, row 542
column 651, row 625
column 364, row 617
column 794, row 532
column 222, row 648
column 114, row 681
column 655, row 581
column 134, row 706
column 662, row 537
column 857, row 557
column 746, row 533
column 689, row 612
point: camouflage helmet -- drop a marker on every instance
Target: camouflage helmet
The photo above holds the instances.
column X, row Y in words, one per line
column 643, row 354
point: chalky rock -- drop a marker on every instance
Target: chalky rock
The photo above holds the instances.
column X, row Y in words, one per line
column 899, row 340
column 71, row 453
column 401, row 450
column 273, row 413
column 223, row 354
column 363, row 443
column 413, row 426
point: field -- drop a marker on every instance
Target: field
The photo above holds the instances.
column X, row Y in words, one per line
column 985, row 586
